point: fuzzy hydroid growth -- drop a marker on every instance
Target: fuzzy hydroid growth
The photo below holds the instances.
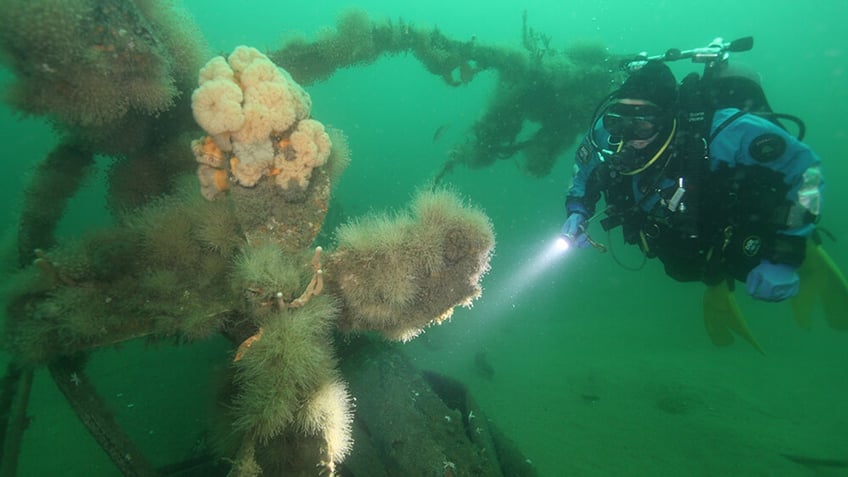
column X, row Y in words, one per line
column 398, row 274
column 268, row 270
column 374, row 240
column 328, row 414
column 339, row 157
column 284, row 368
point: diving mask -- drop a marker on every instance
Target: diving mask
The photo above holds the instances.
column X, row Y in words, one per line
column 632, row 121
column 630, row 127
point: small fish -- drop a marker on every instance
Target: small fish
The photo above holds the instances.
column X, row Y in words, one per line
column 439, row 131
column 483, row 366
column 815, row 462
column 590, row 398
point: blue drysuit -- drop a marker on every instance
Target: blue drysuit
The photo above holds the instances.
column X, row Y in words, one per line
column 755, row 197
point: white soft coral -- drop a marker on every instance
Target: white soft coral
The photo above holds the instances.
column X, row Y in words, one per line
column 259, row 115
column 310, row 148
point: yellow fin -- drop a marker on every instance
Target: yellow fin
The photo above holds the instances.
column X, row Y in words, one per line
column 715, row 308
column 723, row 318
column 821, row 280
column 811, row 278
column 834, row 291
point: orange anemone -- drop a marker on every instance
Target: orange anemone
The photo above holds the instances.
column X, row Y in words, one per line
column 221, row 181
column 211, row 149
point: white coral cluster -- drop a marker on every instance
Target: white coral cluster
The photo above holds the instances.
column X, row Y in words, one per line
column 256, row 115
column 310, row 148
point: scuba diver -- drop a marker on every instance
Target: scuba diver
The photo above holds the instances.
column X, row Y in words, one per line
column 704, row 177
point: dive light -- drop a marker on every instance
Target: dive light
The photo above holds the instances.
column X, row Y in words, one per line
column 566, row 241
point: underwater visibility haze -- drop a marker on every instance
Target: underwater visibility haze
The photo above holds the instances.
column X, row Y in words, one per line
column 260, row 238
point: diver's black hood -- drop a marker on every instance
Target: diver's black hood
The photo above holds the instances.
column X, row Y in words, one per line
column 653, row 82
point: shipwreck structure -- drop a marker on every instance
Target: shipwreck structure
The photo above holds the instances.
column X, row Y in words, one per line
column 221, row 184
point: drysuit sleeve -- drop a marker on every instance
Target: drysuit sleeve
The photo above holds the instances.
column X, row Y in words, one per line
column 754, row 142
column 585, row 189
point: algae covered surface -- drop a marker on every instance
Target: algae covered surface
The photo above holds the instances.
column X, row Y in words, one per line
column 588, row 368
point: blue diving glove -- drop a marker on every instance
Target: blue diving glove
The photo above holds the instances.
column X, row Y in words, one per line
column 772, row 281
column 574, row 230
